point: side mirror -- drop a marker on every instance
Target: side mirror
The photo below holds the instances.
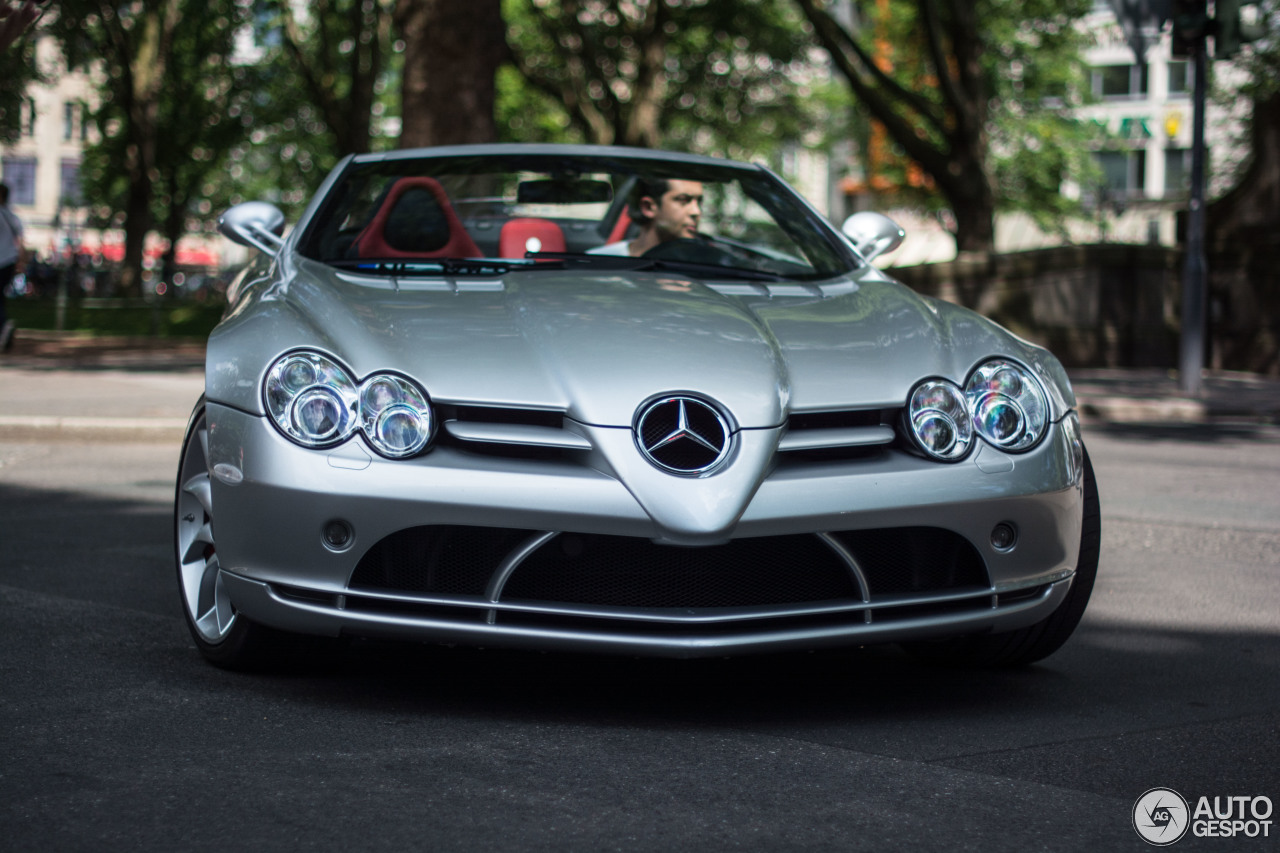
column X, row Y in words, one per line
column 873, row 234
column 254, row 223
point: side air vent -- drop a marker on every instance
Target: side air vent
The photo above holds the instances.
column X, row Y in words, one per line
column 846, row 434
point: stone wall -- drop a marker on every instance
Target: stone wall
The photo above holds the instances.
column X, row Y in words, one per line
column 1117, row 305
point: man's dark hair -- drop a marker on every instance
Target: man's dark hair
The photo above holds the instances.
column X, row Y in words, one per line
column 4, row 193
column 654, row 188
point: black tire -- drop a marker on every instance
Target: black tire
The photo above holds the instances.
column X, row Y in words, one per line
column 1038, row 641
column 224, row 637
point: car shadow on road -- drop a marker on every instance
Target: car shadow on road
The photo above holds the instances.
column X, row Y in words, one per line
column 105, row 561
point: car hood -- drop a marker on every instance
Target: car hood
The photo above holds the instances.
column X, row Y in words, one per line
column 598, row 345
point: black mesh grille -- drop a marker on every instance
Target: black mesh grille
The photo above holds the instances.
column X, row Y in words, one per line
column 914, row 559
column 443, row 560
column 626, row 572
column 623, row 571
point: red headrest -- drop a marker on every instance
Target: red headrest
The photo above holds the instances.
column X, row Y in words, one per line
column 529, row 235
column 416, row 221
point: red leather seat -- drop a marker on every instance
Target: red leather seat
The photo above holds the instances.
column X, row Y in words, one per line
column 620, row 227
column 416, row 220
column 529, row 235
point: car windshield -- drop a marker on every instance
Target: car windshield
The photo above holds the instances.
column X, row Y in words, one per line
column 493, row 213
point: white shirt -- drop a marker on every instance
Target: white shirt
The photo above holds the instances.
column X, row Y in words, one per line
column 622, row 247
column 10, row 234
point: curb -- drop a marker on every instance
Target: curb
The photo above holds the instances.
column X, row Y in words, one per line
column 1128, row 410
column 43, row 428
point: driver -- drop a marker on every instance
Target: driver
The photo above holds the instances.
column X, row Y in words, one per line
column 665, row 209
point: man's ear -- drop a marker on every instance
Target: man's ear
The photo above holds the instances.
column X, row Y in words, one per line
column 648, row 207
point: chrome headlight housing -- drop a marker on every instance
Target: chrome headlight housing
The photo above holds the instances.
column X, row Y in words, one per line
column 1002, row 402
column 938, row 420
column 314, row 402
column 395, row 415
column 1009, row 407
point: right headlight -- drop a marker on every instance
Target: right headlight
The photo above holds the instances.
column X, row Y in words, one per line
column 314, row 402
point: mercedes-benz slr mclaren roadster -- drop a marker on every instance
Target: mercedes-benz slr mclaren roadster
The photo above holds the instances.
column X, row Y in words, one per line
column 601, row 399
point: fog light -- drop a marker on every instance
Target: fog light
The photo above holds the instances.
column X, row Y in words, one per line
column 1004, row 536
column 338, row 536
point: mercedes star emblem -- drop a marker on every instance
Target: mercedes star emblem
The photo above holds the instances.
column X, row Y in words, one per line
column 682, row 435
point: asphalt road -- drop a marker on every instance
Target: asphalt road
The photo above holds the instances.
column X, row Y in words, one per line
column 116, row 736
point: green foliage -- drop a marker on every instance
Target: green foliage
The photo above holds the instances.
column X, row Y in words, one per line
column 976, row 93
column 1034, row 60
column 196, row 124
column 133, row 319
column 17, row 71
column 319, row 85
column 695, row 75
column 1260, row 59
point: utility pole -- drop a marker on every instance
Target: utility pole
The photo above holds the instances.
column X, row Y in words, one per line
column 1192, row 26
column 1195, row 269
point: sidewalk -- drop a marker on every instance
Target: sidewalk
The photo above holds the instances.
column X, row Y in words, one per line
column 76, row 387
column 82, row 388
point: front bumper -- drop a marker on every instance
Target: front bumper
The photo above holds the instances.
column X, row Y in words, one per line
column 272, row 501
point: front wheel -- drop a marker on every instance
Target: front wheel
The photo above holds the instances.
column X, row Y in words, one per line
column 1030, row 644
column 222, row 635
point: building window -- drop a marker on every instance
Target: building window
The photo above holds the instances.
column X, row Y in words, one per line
column 70, row 195
column 1113, row 82
column 68, row 121
column 1178, row 172
column 1124, row 173
column 1181, row 78
column 84, row 122
column 20, row 174
column 29, row 126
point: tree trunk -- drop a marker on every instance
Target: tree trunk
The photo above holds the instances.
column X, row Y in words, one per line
column 137, row 225
column 1247, row 215
column 146, row 71
column 452, row 52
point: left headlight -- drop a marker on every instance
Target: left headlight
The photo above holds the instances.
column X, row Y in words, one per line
column 1009, row 407
column 314, row 402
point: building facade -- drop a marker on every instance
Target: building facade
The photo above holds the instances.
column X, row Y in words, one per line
column 42, row 167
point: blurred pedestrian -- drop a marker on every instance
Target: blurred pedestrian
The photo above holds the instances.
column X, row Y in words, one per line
column 12, row 256
column 14, row 19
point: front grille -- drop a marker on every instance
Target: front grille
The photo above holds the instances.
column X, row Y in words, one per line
column 800, row 421
column 443, row 560
column 914, row 559
column 620, row 571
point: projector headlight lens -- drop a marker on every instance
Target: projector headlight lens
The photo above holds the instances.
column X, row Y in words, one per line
column 1009, row 407
column 311, row 399
column 395, row 415
column 939, row 420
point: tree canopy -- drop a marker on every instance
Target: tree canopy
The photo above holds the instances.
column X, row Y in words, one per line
column 663, row 73
column 976, row 92
column 206, row 105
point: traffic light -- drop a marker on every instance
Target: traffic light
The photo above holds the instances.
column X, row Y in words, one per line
column 1190, row 26
column 1230, row 30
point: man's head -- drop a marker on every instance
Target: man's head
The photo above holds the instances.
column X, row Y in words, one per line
column 4, row 194
column 667, row 209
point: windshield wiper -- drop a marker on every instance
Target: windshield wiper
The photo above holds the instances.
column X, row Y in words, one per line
column 630, row 264
column 440, row 266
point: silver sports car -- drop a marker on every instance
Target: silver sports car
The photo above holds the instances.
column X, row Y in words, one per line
column 582, row 398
